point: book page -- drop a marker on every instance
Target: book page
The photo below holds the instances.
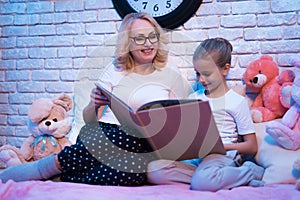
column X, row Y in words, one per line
column 165, row 103
column 111, row 97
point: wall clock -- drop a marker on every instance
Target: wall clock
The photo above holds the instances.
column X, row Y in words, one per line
column 169, row 13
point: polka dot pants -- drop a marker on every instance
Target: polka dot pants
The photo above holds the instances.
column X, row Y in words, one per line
column 106, row 154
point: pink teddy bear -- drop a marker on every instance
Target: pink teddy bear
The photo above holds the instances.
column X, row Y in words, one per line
column 287, row 131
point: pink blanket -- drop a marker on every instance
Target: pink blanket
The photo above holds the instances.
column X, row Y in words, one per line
column 37, row 190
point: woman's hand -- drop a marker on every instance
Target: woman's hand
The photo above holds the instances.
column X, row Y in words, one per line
column 97, row 103
column 97, row 99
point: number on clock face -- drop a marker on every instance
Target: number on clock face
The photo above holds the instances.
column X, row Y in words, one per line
column 168, row 13
column 155, row 8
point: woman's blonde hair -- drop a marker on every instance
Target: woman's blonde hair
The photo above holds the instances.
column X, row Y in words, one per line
column 123, row 56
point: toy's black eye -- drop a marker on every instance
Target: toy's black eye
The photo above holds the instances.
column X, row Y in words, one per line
column 55, row 120
column 259, row 71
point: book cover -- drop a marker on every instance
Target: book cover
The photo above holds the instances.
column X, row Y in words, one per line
column 176, row 129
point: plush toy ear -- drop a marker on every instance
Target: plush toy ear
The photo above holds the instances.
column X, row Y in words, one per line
column 286, row 99
column 64, row 101
column 295, row 62
column 266, row 57
column 40, row 109
column 285, row 76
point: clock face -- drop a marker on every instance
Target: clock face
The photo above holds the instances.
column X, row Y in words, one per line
column 155, row 8
column 168, row 13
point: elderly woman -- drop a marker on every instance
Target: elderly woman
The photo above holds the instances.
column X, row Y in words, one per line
column 106, row 152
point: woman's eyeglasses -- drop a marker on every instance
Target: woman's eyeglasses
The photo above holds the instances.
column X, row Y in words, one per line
column 141, row 40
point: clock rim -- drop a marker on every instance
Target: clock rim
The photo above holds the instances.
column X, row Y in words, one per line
column 171, row 20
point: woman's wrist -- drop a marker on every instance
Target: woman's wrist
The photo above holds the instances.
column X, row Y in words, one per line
column 90, row 113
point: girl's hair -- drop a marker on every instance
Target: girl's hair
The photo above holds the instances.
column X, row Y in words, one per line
column 123, row 56
column 219, row 49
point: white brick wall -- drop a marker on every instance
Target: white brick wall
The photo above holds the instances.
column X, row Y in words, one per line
column 45, row 45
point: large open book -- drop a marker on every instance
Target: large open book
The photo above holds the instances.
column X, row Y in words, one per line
column 176, row 129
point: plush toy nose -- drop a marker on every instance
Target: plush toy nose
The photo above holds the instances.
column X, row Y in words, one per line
column 47, row 123
column 255, row 79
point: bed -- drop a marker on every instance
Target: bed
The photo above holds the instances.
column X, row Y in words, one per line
column 279, row 178
column 36, row 190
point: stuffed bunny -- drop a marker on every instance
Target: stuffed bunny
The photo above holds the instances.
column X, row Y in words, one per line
column 48, row 124
column 286, row 132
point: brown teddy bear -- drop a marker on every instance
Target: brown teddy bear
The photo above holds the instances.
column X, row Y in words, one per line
column 263, row 76
column 49, row 124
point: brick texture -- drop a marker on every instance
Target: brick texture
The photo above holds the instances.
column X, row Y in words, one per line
column 45, row 46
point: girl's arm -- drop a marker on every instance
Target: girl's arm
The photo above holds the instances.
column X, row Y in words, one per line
column 248, row 146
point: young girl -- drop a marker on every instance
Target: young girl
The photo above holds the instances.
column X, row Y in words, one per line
column 212, row 61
